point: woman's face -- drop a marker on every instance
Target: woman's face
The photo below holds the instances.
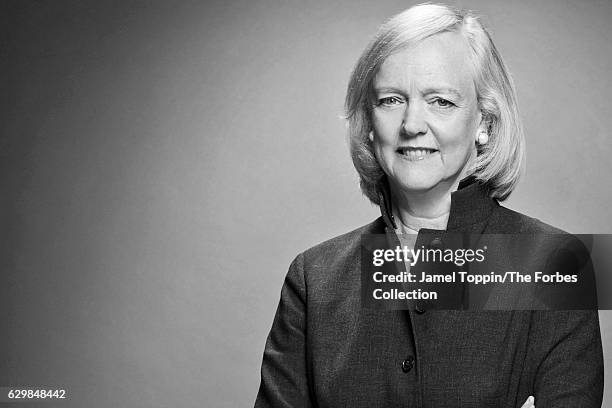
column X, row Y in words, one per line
column 425, row 115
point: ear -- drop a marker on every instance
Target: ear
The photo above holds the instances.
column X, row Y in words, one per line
column 484, row 126
column 371, row 136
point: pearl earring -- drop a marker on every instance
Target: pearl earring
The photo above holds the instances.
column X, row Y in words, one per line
column 483, row 138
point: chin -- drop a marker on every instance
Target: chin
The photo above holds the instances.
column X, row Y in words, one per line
column 420, row 185
column 417, row 180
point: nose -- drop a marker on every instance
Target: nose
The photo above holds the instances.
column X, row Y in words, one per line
column 413, row 123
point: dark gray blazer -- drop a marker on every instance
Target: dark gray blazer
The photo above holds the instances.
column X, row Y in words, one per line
column 325, row 350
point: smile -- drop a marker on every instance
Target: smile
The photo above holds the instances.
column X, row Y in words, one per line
column 416, row 153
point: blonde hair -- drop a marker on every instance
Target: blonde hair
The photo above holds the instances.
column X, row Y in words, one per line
column 499, row 163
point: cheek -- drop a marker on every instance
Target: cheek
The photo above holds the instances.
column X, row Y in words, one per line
column 386, row 128
column 458, row 150
column 458, row 136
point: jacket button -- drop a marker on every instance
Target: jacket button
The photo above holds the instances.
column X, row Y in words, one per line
column 436, row 243
column 419, row 309
column 407, row 364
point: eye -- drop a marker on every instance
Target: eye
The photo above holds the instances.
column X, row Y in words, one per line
column 442, row 103
column 389, row 101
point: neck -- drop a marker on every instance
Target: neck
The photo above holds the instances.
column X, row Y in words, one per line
column 426, row 209
column 423, row 204
column 432, row 203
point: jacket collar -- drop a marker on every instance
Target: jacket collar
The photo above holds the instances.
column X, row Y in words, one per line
column 470, row 209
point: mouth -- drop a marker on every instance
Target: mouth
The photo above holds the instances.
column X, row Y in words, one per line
column 416, row 153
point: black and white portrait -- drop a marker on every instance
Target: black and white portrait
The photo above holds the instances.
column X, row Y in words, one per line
column 186, row 186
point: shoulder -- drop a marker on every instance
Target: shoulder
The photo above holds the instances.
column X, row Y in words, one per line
column 558, row 249
column 547, row 239
column 537, row 238
column 343, row 245
column 504, row 220
column 529, row 244
column 333, row 262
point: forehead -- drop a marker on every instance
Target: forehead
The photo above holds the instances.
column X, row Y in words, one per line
column 440, row 60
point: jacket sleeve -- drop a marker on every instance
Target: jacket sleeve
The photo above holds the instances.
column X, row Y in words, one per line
column 284, row 374
column 571, row 374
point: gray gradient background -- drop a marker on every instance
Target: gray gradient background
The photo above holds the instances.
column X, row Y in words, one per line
column 163, row 162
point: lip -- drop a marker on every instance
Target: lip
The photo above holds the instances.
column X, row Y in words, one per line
column 416, row 153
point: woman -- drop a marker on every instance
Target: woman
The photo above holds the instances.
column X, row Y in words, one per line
column 436, row 138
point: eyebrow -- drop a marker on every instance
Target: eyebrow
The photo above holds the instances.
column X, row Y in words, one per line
column 445, row 90
column 426, row 91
